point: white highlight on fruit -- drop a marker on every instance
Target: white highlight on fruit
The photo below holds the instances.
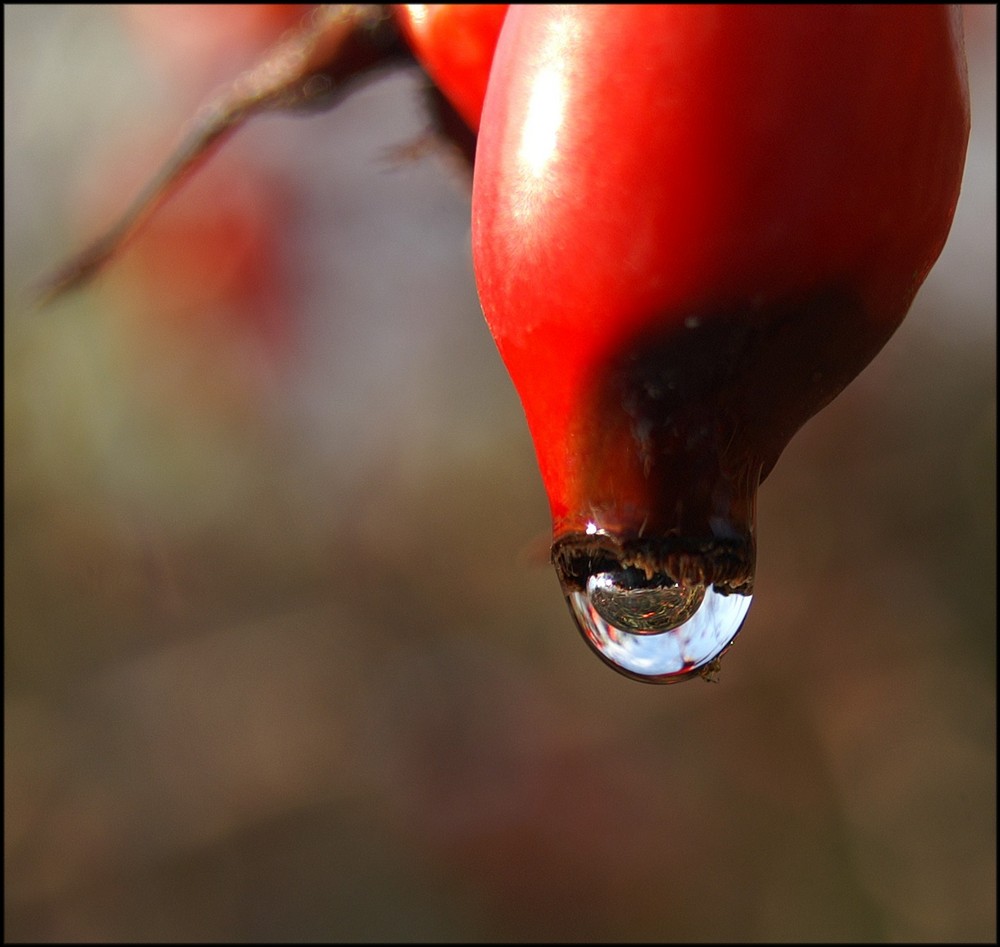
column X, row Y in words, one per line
column 545, row 113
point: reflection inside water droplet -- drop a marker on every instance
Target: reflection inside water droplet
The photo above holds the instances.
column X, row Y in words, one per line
column 628, row 598
column 652, row 628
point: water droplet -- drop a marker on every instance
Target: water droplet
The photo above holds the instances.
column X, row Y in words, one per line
column 630, row 599
column 652, row 628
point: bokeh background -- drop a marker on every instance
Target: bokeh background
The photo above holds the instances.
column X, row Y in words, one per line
column 284, row 659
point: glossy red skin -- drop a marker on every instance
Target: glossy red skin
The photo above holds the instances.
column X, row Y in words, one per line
column 455, row 44
column 744, row 198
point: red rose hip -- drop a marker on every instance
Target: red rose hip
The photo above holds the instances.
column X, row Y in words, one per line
column 692, row 227
column 455, row 43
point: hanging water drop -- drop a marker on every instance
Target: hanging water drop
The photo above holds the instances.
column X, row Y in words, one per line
column 654, row 629
column 647, row 605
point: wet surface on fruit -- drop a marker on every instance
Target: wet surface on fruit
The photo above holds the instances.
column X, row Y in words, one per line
column 650, row 624
column 633, row 635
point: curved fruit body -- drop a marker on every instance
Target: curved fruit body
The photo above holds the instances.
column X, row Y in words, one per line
column 455, row 44
column 692, row 227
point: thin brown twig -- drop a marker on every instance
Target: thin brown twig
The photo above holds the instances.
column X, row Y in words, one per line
column 315, row 66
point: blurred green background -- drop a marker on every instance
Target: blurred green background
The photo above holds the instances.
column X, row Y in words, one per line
column 284, row 659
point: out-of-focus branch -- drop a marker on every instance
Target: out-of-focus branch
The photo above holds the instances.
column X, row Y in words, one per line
column 338, row 47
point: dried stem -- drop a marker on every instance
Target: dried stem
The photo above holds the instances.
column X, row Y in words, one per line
column 314, row 67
